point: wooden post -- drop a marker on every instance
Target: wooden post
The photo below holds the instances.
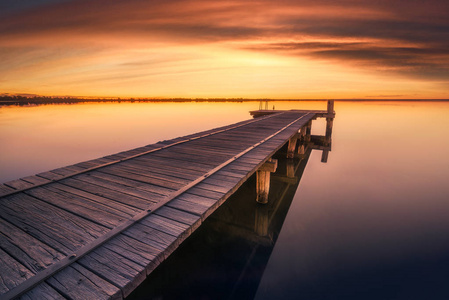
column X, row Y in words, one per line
column 292, row 146
column 330, row 108
column 263, row 180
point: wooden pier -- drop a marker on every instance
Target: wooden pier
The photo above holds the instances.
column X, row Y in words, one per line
column 97, row 229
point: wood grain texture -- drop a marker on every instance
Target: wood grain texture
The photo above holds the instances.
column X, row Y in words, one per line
column 108, row 193
column 92, row 211
column 12, row 272
column 29, row 251
column 57, row 228
column 42, row 291
column 5, row 190
column 18, row 184
column 77, row 282
column 126, row 209
column 117, row 269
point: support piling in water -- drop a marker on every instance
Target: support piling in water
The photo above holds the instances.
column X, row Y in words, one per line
column 292, row 146
column 263, row 180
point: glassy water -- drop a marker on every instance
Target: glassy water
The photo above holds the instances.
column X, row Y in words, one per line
column 369, row 224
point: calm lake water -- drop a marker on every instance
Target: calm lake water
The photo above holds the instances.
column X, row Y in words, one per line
column 371, row 223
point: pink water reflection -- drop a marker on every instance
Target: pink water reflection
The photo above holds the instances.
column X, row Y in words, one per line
column 372, row 222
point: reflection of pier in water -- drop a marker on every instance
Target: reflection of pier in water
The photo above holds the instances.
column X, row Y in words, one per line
column 226, row 257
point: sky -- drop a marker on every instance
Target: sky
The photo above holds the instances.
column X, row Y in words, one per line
column 285, row 49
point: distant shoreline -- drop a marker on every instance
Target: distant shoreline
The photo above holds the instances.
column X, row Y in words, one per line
column 37, row 100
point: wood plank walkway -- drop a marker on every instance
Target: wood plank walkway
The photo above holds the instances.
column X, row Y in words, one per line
column 96, row 229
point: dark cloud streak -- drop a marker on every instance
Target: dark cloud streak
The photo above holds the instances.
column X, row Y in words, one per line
column 407, row 37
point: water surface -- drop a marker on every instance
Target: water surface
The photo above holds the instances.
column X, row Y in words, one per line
column 369, row 224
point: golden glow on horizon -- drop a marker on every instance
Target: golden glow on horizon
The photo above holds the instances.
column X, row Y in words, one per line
column 216, row 50
column 200, row 71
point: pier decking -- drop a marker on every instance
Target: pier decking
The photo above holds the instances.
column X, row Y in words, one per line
column 96, row 229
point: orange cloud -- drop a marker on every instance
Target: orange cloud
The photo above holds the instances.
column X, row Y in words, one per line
column 62, row 47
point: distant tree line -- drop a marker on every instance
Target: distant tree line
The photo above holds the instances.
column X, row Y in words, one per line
column 40, row 100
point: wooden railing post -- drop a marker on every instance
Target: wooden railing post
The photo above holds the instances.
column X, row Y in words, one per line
column 330, row 108
column 263, row 179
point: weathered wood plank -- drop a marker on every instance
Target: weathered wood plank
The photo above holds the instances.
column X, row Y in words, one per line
column 42, row 291
column 85, row 165
column 190, row 158
column 92, row 211
column 5, row 190
column 122, row 272
column 199, row 152
column 196, row 199
column 101, row 161
column 118, row 187
column 126, row 209
column 168, row 226
column 142, row 178
column 192, row 148
column 68, row 171
column 170, row 168
column 12, row 272
column 136, row 251
column 134, row 181
column 55, row 227
column 222, row 180
column 76, row 282
column 161, row 172
column 180, row 216
column 18, row 184
column 36, row 180
column 108, row 193
column 176, row 162
column 194, row 208
column 50, row 175
column 150, row 236
column 30, row 252
column 211, row 187
column 205, row 193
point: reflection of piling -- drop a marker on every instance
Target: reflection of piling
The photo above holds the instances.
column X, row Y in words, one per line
column 261, row 220
column 328, row 135
column 308, row 131
column 290, row 166
column 329, row 124
column 329, row 121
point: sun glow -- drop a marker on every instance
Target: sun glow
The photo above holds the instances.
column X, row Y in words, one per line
column 232, row 49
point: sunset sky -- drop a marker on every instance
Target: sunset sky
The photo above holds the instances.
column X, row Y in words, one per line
column 250, row 49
